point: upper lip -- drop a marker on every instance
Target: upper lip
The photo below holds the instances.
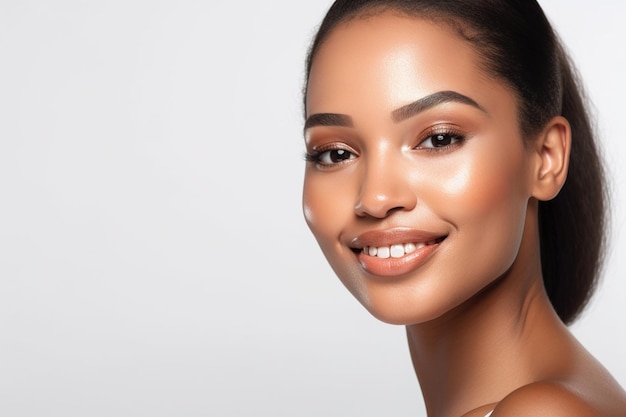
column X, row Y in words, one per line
column 393, row 236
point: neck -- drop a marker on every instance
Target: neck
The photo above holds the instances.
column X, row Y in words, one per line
column 490, row 345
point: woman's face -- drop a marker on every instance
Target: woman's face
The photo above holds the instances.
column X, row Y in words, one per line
column 418, row 180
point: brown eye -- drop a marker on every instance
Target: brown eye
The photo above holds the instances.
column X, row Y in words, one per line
column 440, row 140
column 334, row 156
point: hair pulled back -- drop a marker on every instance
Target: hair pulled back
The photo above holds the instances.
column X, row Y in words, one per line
column 517, row 44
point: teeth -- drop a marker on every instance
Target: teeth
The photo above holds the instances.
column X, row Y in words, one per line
column 409, row 247
column 395, row 251
column 383, row 252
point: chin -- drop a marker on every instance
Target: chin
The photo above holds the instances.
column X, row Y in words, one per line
column 414, row 313
column 393, row 317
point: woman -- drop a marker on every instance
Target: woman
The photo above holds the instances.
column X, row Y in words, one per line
column 454, row 186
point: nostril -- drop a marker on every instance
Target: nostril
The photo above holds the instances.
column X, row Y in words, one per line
column 391, row 210
column 379, row 211
column 379, row 199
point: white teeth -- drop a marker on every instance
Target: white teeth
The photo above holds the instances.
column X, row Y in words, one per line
column 383, row 252
column 397, row 251
column 394, row 251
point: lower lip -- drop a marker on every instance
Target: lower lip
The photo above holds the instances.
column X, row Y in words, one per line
column 393, row 267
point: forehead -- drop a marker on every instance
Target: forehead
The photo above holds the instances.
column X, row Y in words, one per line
column 390, row 60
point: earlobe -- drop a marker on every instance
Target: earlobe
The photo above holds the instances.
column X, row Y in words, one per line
column 552, row 147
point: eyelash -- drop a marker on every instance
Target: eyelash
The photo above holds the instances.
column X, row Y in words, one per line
column 316, row 156
column 455, row 137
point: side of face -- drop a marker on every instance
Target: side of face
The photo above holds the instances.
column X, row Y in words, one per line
column 418, row 182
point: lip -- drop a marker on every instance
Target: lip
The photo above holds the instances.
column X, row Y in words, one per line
column 394, row 267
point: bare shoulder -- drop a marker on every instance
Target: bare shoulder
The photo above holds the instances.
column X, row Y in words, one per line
column 554, row 399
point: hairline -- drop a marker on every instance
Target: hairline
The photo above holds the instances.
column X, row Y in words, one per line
column 457, row 25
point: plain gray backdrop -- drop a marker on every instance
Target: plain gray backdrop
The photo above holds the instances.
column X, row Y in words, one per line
column 153, row 256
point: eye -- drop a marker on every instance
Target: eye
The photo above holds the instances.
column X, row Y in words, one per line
column 335, row 156
column 330, row 157
column 440, row 140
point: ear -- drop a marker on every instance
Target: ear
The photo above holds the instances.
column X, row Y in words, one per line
column 552, row 147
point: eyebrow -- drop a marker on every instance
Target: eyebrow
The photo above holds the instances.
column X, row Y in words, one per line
column 430, row 101
column 398, row 115
column 328, row 119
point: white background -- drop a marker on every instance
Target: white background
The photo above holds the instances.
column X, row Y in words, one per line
column 153, row 256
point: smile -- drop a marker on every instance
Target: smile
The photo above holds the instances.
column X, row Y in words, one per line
column 397, row 250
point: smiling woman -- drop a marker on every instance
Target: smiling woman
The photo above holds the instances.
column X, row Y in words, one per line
column 451, row 174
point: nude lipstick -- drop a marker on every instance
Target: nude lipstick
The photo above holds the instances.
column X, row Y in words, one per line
column 395, row 252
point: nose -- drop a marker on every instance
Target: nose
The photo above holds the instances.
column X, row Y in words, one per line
column 385, row 188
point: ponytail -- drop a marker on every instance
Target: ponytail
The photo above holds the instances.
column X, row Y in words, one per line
column 572, row 225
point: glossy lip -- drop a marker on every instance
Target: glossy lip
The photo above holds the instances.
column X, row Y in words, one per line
column 394, row 267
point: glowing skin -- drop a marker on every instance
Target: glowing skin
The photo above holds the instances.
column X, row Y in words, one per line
column 422, row 195
column 474, row 192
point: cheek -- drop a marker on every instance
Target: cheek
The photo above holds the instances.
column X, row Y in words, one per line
column 328, row 204
column 479, row 188
column 325, row 200
column 485, row 198
column 481, row 179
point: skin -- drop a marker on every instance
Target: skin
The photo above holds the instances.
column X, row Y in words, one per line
column 481, row 330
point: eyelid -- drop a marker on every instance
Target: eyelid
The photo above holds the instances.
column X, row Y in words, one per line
column 314, row 155
column 441, row 129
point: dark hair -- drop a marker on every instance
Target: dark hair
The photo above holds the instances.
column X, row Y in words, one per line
column 517, row 44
